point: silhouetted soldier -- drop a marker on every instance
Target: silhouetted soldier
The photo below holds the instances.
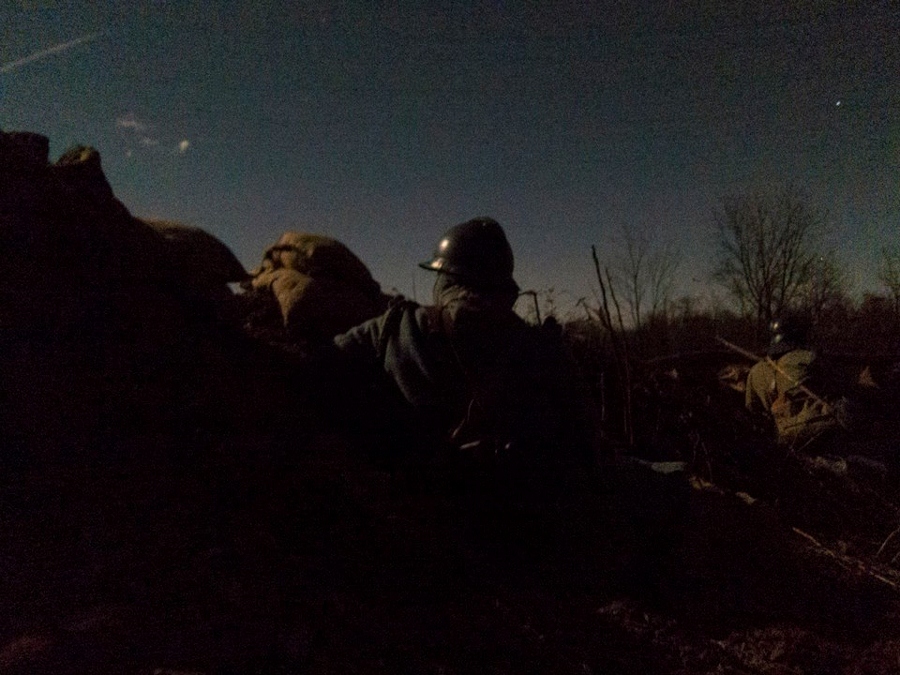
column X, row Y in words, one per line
column 789, row 386
column 471, row 375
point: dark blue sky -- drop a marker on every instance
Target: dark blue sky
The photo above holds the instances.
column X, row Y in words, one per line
column 382, row 124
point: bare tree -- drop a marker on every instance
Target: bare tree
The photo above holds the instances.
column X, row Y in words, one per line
column 645, row 274
column 662, row 266
column 826, row 286
column 889, row 275
column 767, row 249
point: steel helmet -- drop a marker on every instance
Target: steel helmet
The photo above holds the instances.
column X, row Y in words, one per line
column 476, row 251
column 787, row 333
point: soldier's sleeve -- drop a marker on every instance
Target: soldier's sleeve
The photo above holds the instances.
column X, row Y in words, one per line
column 361, row 343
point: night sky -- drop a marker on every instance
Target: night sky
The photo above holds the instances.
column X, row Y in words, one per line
column 384, row 123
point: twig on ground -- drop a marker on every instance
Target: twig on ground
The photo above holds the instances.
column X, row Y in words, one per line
column 886, row 541
column 852, row 565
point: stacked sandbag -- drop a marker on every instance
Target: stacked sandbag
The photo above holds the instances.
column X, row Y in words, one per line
column 322, row 288
column 107, row 325
column 65, row 241
column 204, row 265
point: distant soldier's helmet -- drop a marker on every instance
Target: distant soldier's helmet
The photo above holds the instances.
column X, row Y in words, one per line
column 788, row 332
column 477, row 252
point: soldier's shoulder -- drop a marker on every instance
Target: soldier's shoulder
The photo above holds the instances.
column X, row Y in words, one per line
column 402, row 310
column 798, row 357
column 761, row 366
column 404, row 319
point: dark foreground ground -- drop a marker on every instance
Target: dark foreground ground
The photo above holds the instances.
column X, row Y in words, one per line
column 288, row 553
column 198, row 514
column 174, row 497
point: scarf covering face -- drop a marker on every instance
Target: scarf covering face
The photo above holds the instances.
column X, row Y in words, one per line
column 461, row 305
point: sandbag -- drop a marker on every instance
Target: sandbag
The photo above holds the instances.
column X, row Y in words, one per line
column 320, row 257
column 100, row 332
column 321, row 286
column 68, row 248
column 193, row 250
column 201, row 267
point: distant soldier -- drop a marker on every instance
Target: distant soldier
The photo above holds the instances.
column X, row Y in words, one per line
column 788, row 386
column 471, row 370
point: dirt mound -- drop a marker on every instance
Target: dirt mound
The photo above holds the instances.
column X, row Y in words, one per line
column 107, row 324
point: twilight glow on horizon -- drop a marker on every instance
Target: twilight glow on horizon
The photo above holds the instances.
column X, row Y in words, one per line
column 383, row 125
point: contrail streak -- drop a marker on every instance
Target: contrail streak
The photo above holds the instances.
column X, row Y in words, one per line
column 12, row 65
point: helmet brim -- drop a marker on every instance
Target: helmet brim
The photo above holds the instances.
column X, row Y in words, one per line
column 432, row 265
